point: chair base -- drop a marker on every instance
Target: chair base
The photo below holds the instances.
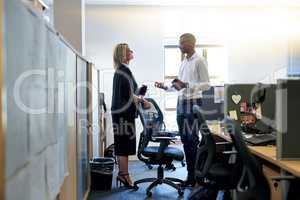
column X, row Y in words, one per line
column 161, row 180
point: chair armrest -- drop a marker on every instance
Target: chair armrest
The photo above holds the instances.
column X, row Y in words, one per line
column 229, row 152
column 282, row 178
column 222, row 143
column 167, row 133
column 163, row 138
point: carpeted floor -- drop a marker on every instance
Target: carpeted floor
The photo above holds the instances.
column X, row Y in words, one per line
column 139, row 170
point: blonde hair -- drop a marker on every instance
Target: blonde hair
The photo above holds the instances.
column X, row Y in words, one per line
column 188, row 37
column 119, row 55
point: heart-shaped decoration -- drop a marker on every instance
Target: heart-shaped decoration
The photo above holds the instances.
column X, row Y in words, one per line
column 236, row 98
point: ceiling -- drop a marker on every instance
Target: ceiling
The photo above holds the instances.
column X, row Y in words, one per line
column 190, row 2
column 198, row 2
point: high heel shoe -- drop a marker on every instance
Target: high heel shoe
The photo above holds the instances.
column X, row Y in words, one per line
column 121, row 179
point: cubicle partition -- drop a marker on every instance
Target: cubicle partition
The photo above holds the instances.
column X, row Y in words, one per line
column 236, row 94
column 2, row 137
column 287, row 120
column 46, row 137
column 94, row 111
column 82, row 125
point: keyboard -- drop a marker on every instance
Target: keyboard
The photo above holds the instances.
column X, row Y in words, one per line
column 261, row 139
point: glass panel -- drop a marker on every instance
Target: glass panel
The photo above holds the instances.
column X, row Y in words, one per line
column 170, row 100
column 172, row 61
column 217, row 62
column 170, row 120
column 217, row 67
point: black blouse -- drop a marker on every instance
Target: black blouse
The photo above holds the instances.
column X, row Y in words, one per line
column 124, row 87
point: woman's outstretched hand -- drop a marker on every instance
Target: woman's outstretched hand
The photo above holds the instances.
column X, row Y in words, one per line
column 160, row 85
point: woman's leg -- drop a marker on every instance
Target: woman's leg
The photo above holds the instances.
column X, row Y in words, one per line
column 123, row 168
column 123, row 164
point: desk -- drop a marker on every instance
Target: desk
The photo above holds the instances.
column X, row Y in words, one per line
column 266, row 156
column 268, row 153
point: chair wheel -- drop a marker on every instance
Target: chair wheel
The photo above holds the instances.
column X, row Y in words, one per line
column 149, row 166
column 149, row 194
column 180, row 192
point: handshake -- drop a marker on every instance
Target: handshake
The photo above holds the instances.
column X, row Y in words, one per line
column 176, row 83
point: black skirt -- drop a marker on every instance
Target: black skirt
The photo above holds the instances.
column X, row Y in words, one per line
column 124, row 135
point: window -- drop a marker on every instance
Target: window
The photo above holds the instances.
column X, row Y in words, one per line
column 216, row 56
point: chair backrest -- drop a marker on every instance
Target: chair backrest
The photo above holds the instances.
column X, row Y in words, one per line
column 152, row 116
column 253, row 184
column 206, row 148
column 152, row 121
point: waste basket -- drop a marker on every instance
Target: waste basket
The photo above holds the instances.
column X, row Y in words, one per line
column 101, row 173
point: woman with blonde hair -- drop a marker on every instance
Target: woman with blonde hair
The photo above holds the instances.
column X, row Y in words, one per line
column 124, row 112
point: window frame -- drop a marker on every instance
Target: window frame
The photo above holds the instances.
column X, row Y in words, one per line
column 176, row 46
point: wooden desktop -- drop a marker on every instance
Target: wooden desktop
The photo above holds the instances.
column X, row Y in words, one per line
column 266, row 156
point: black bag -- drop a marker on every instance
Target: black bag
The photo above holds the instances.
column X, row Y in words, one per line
column 109, row 151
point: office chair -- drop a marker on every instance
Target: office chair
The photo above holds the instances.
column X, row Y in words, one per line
column 252, row 185
column 213, row 169
column 152, row 121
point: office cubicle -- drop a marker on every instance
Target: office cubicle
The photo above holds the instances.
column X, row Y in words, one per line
column 43, row 149
column 236, row 94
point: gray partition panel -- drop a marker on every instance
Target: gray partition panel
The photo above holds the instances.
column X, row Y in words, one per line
column 82, row 129
column 38, row 111
column 247, row 91
column 16, row 61
column 287, row 115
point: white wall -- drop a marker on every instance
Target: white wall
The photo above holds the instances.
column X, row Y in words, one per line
column 251, row 62
column 105, row 27
column 255, row 37
column 69, row 20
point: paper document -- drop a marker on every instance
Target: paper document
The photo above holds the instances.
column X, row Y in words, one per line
column 233, row 114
